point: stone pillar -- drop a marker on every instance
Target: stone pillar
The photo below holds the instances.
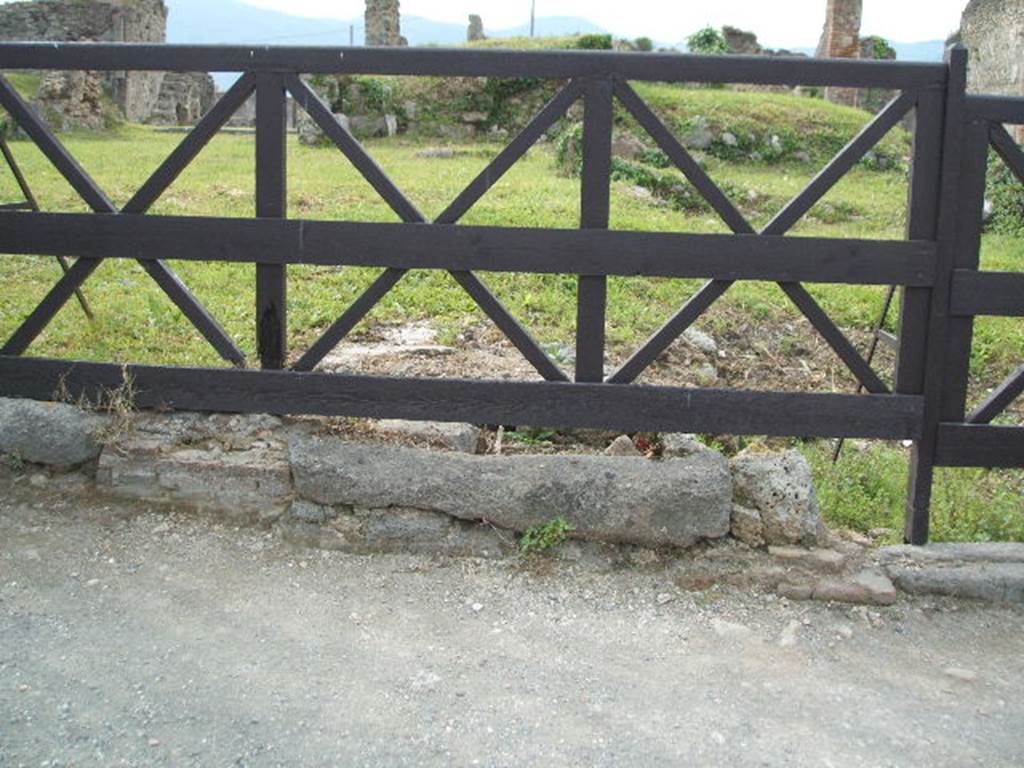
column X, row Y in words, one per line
column 840, row 39
column 383, row 23
column 476, row 29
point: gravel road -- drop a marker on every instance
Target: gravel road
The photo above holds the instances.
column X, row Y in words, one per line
column 132, row 636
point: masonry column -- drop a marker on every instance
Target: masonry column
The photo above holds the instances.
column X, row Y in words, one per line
column 383, row 23
column 840, row 39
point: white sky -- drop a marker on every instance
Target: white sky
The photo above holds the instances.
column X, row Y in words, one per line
column 777, row 23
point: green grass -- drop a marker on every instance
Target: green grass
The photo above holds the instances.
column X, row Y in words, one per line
column 135, row 322
column 867, row 490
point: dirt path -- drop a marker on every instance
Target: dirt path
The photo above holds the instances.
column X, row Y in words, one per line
column 134, row 637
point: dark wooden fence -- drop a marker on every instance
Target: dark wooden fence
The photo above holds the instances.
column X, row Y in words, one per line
column 936, row 266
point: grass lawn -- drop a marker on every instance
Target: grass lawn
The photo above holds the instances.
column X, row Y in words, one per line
column 135, row 322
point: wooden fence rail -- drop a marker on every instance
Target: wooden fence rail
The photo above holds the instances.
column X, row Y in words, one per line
column 935, row 266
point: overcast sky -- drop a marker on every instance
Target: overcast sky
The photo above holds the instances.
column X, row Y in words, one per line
column 777, row 23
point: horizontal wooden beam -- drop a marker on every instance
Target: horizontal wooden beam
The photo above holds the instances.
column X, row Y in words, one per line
column 553, row 404
column 498, row 249
column 998, row 109
column 461, row 62
column 987, row 293
column 966, row 445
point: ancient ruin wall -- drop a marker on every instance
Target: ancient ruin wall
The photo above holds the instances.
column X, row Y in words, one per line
column 993, row 32
column 840, row 39
column 475, row 32
column 112, row 21
column 383, row 23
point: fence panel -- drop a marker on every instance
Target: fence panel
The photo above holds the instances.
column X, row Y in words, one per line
column 936, row 266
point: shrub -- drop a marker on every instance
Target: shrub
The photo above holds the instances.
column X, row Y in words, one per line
column 644, row 44
column 707, row 40
column 594, row 42
column 1005, row 193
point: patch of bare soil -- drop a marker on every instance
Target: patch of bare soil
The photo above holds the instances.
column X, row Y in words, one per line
column 771, row 356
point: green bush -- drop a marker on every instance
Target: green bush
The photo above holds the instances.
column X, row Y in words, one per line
column 1005, row 192
column 569, row 149
column 678, row 193
column 594, row 42
column 644, row 44
column 707, row 40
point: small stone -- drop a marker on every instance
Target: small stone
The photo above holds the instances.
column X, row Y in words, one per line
column 827, row 560
column 161, row 528
column 679, row 444
column 38, row 480
column 730, row 630
column 664, row 598
column 92, row 582
column 627, row 146
column 706, row 375
column 701, row 341
column 729, row 139
column 788, row 637
column 880, row 533
column 866, row 588
column 622, row 446
column 154, row 742
column 964, row 675
column 477, row 607
column 845, row 631
column 699, row 136
column 746, row 525
column 793, row 591
column 437, row 152
column 455, row 437
column 23, row 688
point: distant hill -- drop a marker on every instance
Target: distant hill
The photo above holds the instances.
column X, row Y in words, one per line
column 232, row 21
column 929, row 50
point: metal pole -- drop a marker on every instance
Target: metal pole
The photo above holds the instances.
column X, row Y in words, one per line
column 32, row 204
column 533, row 16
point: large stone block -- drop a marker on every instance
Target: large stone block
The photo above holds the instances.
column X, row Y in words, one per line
column 626, row 500
column 392, row 530
column 992, row 582
column 230, row 465
column 49, row 433
column 780, row 487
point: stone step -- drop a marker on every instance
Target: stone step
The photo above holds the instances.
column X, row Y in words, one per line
column 992, row 582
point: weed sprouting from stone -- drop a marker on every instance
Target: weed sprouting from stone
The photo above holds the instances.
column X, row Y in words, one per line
column 546, row 536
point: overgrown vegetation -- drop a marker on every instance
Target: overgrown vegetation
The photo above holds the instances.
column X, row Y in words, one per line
column 546, row 536
column 867, row 490
column 1005, row 193
column 707, row 41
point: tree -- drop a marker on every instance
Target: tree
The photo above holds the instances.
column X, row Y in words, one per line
column 708, row 40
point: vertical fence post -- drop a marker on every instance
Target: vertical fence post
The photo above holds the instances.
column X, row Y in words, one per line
column 922, row 462
column 271, row 202
column 592, row 291
column 922, row 224
column 968, row 256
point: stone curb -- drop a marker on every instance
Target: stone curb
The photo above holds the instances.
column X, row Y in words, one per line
column 334, row 493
